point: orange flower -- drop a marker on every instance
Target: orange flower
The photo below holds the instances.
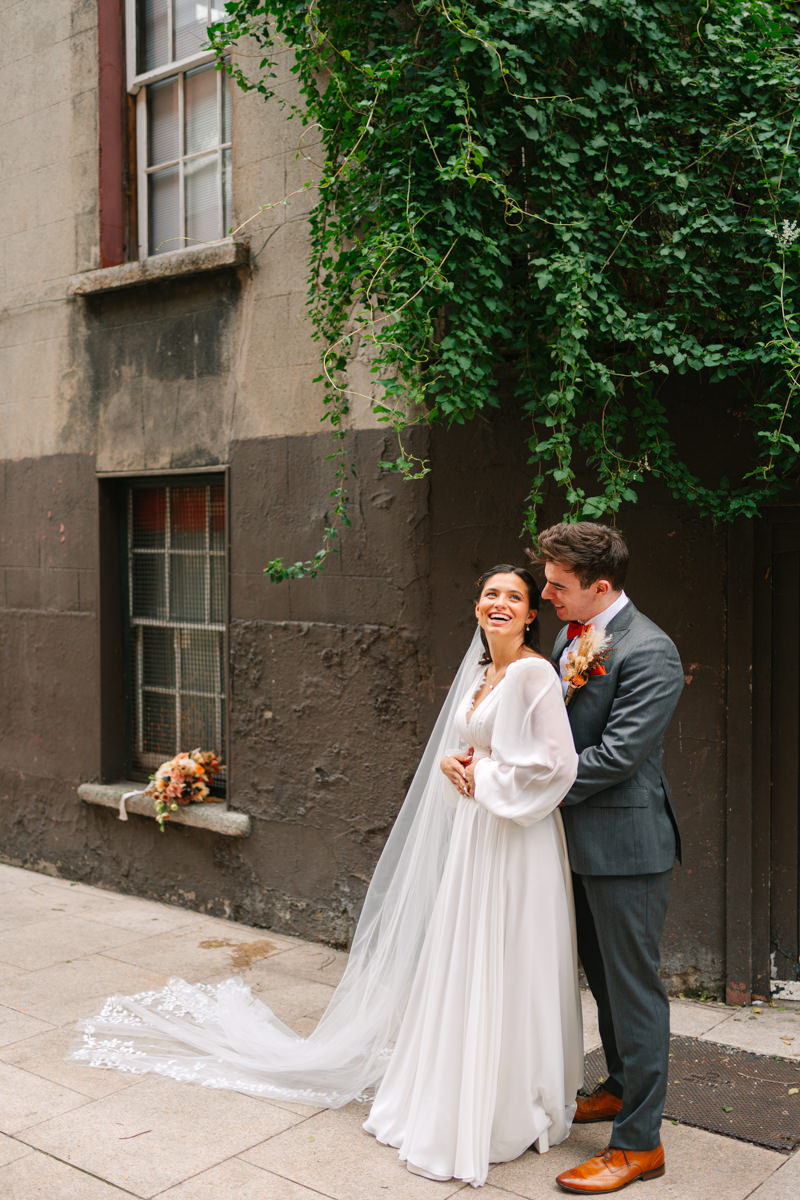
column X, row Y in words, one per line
column 182, row 780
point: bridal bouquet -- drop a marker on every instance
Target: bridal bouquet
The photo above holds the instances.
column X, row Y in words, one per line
column 587, row 659
column 185, row 779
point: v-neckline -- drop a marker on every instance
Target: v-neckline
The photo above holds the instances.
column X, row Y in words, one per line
column 473, row 708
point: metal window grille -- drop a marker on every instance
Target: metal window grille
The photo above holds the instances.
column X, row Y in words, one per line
column 177, row 569
column 183, row 125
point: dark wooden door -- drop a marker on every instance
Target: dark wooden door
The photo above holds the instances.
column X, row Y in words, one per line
column 762, row 835
column 784, row 887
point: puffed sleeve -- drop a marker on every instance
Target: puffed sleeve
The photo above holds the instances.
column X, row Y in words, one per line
column 533, row 762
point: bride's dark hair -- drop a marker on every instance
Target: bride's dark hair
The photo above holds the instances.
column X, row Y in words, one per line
column 531, row 634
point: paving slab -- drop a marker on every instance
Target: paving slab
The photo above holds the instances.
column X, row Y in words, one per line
column 35, row 904
column 534, row 1175
column 783, row 1184
column 45, row 1055
column 245, row 1182
column 44, row 943
column 142, row 916
column 693, row 1018
column 202, row 951
column 331, row 1153
column 71, row 990
column 156, row 1134
column 13, row 878
column 39, row 1177
column 27, row 1099
column 47, row 896
column 700, row 1166
column 490, row 1192
column 71, row 1132
column 762, row 1030
column 8, row 972
column 319, row 964
column 295, row 1000
column 15, row 1026
column 591, row 1034
column 10, row 1149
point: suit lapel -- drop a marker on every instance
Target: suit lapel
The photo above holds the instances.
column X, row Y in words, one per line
column 558, row 645
column 617, row 628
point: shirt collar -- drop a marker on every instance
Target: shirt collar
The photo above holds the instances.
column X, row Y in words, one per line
column 602, row 619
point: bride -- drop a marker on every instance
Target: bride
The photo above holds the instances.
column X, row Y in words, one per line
column 458, row 1014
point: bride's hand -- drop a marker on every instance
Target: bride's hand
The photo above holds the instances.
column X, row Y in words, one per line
column 454, row 766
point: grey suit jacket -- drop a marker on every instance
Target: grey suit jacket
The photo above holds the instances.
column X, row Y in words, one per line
column 618, row 815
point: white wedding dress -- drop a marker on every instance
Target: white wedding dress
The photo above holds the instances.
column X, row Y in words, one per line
column 489, row 1055
column 458, row 1010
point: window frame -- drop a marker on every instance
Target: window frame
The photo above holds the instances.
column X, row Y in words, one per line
column 133, row 686
column 137, row 88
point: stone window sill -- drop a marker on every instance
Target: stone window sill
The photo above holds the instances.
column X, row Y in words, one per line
column 175, row 264
column 215, row 817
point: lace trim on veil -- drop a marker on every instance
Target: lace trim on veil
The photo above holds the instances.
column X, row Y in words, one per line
column 224, row 1037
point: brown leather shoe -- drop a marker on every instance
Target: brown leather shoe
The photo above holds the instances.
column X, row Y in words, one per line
column 599, row 1105
column 612, row 1170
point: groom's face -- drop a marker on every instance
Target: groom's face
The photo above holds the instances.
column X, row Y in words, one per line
column 572, row 601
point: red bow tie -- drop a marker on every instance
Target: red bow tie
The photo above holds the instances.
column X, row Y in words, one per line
column 575, row 629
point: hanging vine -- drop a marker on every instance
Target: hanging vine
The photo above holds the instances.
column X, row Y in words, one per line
column 567, row 203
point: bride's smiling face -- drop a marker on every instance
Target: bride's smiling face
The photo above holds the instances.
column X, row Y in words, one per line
column 503, row 608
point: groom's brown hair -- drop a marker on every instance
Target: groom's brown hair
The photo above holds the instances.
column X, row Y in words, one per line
column 591, row 550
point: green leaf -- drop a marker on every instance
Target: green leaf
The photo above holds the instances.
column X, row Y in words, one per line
column 549, row 211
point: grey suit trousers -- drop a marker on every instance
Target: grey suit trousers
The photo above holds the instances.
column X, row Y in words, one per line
column 619, row 923
column 622, row 837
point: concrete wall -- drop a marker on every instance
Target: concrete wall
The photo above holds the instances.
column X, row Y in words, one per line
column 48, row 211
column 334, row 682
column 65, row 392
column 214, row 368
column 326, row 675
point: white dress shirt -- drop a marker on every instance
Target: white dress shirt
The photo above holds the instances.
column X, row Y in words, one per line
column 599, row 622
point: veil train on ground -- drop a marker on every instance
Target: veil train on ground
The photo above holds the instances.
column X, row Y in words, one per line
column 223, row 1036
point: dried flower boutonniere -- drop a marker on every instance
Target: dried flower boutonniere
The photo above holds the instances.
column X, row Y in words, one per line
column 586, row 660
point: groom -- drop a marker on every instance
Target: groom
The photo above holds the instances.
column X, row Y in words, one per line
column 622, row 837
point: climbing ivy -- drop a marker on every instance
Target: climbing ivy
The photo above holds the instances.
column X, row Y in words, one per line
column 560, row 204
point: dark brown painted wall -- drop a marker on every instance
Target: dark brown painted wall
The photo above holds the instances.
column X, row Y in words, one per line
column 325, row 682
column 334, row 681
column 677, row 577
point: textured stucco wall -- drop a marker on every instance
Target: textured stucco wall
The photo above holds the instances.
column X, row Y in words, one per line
column 334, row 681
column 324, row 711
column 252, row 369
column 48, row 211
column 180, row 373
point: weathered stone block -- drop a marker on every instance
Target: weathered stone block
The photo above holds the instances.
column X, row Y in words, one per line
column 38, row 588
column 49, row 515
column 51, row 718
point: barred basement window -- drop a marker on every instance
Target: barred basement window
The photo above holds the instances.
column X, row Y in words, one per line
column 177, row 569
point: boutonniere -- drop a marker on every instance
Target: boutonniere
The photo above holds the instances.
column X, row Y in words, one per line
column 587, row 659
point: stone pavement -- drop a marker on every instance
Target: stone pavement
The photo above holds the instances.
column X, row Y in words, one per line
column 70, row 1132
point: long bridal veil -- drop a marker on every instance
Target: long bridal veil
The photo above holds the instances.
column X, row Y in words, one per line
column 223, row 1036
